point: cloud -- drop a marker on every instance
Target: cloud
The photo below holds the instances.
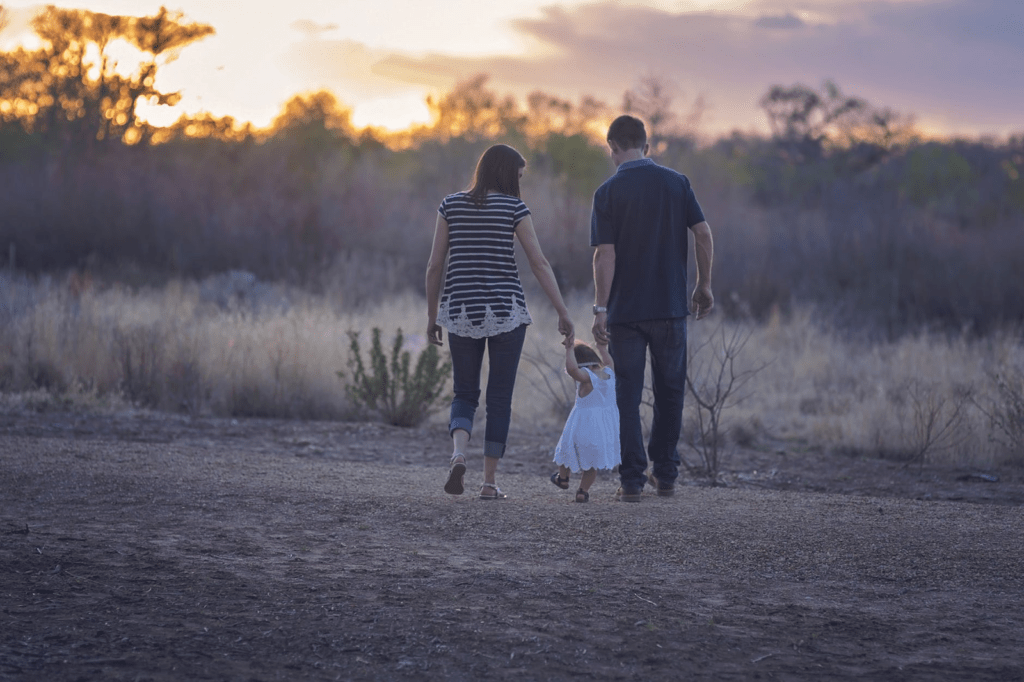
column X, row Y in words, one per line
column 953, row 64
column 18, row 24
column 783, row 21
column 348, row 67
column 312, row 29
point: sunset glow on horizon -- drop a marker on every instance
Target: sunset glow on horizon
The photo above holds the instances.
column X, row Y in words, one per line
column 953, row 65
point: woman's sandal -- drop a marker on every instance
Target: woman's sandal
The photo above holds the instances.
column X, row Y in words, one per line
column 562, row 483
column 454, row 486
column 498, row 495
column 582, row 495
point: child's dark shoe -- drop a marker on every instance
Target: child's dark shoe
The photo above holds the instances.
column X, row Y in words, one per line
column 562, row 483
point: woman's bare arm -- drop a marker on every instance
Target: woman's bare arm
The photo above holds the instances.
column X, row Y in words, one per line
column 435, row 269
column 545, row 275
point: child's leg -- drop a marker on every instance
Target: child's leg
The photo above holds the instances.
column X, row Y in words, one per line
column 564, row 472
column 588, row 478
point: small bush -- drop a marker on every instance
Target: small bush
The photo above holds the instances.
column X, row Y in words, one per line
column 389, row 389
column 552, row 382
column 139, row 353
column 935, row 420
column 185, row 390
column 1006, row 412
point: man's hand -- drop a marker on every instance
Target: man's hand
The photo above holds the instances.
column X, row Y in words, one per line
column 600, row 328
column 702, row 301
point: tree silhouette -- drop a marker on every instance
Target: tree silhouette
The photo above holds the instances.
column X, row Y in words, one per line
column 473, row 112
column 73, row 90
column 652, row 99
column 802, row 119
column 811, row 126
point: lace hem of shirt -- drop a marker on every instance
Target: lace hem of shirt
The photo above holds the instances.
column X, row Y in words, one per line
column 491, row 325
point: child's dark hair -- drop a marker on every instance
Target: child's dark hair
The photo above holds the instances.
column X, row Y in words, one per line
column 497, row 170
column 627, row 132
column 585, row 355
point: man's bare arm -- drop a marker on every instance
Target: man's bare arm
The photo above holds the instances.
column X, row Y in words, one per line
column 704, row 254
column 604, row 272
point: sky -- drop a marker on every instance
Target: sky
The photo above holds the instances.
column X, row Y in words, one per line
column 956, row 66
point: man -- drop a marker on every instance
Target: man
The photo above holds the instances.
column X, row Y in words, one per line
column 638, row 227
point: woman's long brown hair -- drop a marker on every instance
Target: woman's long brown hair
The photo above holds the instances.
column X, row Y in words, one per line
column 498, row 171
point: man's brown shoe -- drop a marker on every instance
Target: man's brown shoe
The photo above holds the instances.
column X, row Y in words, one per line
column 627, row 494
column 664, row 489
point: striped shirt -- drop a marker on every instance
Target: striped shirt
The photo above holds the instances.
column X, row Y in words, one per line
column 482, row 294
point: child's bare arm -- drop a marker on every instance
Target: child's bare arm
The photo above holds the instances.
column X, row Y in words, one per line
column 606, row 358
column 572, row 369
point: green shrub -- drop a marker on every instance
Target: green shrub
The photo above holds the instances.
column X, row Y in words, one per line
column 388, row 389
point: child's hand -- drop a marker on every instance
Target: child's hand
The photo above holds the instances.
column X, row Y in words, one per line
column 567, row 342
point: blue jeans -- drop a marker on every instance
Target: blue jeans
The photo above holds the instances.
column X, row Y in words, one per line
column 666, row 340
column 503, row 351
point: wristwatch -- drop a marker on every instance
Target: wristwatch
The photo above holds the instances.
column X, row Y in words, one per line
column 600, row 309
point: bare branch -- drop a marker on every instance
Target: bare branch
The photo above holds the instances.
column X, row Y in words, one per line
column 560, row 393
column 716, row 384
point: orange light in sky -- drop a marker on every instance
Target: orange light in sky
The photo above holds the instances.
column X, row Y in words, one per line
column 951, row 65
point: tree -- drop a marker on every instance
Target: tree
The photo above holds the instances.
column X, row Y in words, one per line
column 548, row 114
column 802, row 119
column 72, row 89
column 652, row 100
column 473, row 112
column 204, row 126
column 319, row 110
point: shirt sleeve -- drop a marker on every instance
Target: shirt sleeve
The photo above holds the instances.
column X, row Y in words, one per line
column 443, row 208
column 694, row 214
column 522, row 210
column 602, row 229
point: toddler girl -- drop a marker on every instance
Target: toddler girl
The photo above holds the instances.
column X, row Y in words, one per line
column 590, row 440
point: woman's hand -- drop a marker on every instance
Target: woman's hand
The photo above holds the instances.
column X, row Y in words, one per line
column 434, row 333
column 566, row 329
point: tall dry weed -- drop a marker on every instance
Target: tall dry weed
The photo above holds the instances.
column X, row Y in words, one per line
column 179, row 348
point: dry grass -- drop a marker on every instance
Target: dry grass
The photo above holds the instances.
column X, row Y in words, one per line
column 233, row 346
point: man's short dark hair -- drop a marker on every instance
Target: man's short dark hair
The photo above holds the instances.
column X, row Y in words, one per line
column 627, row 132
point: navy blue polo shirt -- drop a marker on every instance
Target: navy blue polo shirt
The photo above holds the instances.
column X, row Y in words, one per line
column 646, row 210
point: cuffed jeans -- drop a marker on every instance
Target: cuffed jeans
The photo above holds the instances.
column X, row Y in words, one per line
column 666, row 340
column 503, row 351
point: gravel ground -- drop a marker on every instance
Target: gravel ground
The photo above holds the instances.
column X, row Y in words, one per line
column 154, row 547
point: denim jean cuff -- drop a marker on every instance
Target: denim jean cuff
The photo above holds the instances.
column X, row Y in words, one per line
column 492, row 449
column 461, row 423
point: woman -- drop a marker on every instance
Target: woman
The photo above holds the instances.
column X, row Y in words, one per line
column 482, row 304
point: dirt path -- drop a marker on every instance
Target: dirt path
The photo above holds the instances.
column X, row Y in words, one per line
column 152, row 548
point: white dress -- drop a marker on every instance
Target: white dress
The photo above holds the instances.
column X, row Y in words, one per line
column 590, row 439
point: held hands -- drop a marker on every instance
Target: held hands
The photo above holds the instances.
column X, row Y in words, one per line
column 566, row 329
column 702, row 301
column 600, row 329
